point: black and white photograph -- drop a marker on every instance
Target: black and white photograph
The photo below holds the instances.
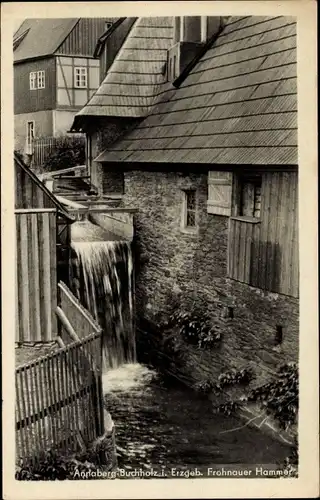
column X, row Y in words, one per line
column 157, row 276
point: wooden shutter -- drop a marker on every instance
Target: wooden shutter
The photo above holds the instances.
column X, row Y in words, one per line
column 219, row 193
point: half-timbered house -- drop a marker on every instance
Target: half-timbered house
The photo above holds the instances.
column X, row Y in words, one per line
column 55, row 74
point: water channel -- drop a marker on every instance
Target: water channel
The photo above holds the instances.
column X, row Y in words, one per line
column 161, row 425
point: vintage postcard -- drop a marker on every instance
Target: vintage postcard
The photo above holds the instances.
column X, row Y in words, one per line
column 159, row 242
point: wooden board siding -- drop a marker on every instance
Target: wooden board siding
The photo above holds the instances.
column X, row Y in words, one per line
column 26, row 100
column 36, row 281
column 83, row 38
column 265, row 254
column 28, row 193
column 244, row 237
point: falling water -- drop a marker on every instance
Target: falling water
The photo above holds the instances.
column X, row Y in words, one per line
column 105, row 271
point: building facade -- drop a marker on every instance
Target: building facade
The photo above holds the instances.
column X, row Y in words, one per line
column 54, row 75
column 199, row 134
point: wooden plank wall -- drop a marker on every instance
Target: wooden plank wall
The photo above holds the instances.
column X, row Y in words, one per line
column 36, row 285
column 244, row 237
column 29, row 101
column 28, row 193
column 83, row 38
column 266, row 254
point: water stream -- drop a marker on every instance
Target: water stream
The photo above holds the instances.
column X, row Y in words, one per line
column 105, row 272
column 159, row 425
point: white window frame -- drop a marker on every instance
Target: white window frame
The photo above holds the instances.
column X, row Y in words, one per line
column 79, row 73
column 30, row 137
column 41, row 82
column 33, row 80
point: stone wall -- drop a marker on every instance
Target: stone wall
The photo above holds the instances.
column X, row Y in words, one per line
column 191, row 269
column 107, row 177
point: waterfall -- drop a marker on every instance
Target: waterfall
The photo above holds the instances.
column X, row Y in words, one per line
column 104, row 276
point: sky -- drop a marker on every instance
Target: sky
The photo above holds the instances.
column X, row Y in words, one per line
column 16, row 24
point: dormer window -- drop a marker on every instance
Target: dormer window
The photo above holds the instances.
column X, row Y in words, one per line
column 191, row 33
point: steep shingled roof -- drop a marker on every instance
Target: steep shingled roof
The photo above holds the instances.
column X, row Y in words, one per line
column 43, row 37
column 237, row 106
column 132, row 81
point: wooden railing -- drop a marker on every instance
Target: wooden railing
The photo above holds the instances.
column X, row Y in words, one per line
column 59, row 401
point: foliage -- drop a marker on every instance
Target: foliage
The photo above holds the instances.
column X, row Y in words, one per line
column 194, row 329
column 67, row 152
column 232, row 377
column 53, row 467
column 228, row 408
column 226, row 379
column 281, row 396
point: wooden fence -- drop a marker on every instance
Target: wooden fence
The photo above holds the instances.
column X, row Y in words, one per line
column 59, row 401
column 36, row 281
column 43, row 147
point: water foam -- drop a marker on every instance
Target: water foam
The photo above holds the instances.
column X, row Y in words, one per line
column 105, row 270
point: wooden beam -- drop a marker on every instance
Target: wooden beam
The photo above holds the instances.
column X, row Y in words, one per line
column 34, row 210
column 66, row 324
column 59, row 341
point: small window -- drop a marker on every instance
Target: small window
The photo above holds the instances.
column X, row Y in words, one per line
column 41, row 79
column 250, row 196
column 33, row 80
column 30, row 132
column 189, row 215
column 80, row 77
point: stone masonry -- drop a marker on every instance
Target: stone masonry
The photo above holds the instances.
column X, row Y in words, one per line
column 173, row 265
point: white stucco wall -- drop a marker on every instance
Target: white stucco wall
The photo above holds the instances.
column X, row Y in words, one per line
column 42, row 123
column 62, row 121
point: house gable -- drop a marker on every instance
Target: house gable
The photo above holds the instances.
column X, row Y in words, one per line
column 82, row 38
column 37, row 42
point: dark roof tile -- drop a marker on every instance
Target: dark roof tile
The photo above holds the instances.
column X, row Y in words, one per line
column 238, row 105
column 43, row 38
column 136, row 73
